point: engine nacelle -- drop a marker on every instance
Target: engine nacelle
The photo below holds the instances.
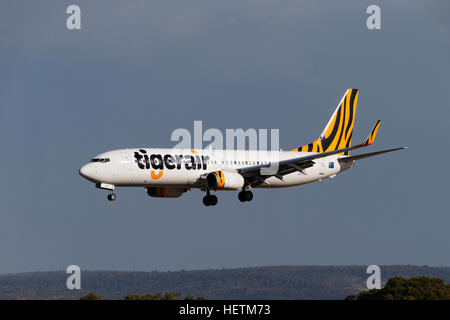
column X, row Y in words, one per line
column 220, row 180
column 162, row 192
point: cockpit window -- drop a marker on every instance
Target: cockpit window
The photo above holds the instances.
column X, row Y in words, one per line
column 102, row 160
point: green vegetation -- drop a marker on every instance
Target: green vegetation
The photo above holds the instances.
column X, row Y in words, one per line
column 416, row 288
column 280, row 282
column 91, row 296
column 159, row 296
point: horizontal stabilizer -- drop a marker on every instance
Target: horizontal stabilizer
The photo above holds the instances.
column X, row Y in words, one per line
column 367, row 155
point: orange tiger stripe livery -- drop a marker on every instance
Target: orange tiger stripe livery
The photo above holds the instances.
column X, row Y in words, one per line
column 220, row 179
column 337, row 134
column 371, row 138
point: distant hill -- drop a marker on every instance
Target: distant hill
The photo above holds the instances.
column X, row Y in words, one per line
column 280, row 282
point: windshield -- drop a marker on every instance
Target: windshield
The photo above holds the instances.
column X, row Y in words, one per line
column 102, row 160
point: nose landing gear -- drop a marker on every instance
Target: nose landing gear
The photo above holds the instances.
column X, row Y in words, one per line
column 209, row 199
column 106, row 186
column 111, row 197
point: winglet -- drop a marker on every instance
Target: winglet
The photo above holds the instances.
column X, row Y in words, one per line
column 371, row 138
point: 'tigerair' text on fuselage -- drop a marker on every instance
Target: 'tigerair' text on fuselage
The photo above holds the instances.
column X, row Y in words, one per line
column 170, row 162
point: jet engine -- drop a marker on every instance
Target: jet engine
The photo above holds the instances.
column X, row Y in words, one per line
column 162, row 192
column 220, row 180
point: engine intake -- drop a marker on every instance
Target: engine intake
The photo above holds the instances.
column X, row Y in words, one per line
column 162, row 192
column 219, row 180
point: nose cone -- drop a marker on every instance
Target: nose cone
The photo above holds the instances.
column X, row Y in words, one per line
column 88, row 171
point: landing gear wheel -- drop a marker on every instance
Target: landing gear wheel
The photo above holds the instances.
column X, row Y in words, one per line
column 245, row 196
column 111, row 197
column 209, row 200
column 212, row 200
column 206, row 200
column 248, row 195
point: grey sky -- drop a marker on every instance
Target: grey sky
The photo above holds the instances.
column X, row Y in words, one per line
column 139, row 69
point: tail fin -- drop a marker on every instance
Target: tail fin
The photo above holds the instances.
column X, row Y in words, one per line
column 337, row 134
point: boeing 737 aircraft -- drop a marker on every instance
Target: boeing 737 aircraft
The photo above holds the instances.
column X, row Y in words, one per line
column 168, row 173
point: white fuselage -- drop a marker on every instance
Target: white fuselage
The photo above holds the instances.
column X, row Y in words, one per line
column 168, row 173
column 147, row 167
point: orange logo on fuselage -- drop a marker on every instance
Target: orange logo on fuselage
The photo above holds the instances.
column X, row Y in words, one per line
column 156, row 176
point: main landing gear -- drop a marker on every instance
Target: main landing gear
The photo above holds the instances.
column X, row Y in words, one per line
column 245, row 195
column 209, row 199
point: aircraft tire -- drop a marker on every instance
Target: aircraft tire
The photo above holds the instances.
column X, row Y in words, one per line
column 206, row 200
column 248, row 195
column 212, row 200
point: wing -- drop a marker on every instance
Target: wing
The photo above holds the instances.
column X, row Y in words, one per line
column 256, row 175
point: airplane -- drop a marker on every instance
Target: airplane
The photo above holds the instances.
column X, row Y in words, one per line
column 168, row 173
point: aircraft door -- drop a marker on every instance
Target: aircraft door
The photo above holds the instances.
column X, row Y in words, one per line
column 322, row 168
